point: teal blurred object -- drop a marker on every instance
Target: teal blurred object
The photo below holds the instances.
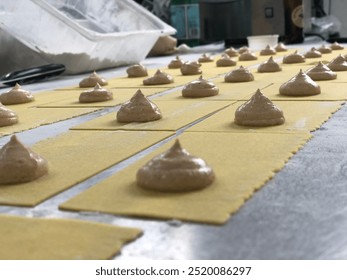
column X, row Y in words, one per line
column 185, row 18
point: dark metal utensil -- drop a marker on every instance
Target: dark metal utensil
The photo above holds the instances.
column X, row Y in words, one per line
column 32, row 75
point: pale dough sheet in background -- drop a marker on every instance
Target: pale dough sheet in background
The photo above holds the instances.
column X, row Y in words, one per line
column 176, row 114
column 58, row 239
column 296, row 116
column 242, row 164
column 75, row 156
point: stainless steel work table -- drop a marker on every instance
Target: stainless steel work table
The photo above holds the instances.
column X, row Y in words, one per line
column 300, row 214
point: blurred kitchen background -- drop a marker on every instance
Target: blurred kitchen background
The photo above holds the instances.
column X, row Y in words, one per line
column 213, row 20
column 88, row 35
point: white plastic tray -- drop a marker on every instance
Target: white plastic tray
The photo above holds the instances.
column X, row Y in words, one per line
column 84, row 35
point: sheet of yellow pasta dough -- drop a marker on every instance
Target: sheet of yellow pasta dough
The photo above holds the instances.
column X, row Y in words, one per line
column 119, row 96
column 29, row 118
column 341, row 77
column 299, row 117
column 329, row 92
column 278, row 77
column 242, row 163
column 176, row 114
column 23, row 238
column 75, row 156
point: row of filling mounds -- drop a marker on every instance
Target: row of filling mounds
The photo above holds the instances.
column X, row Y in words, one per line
column 173, row 78
column 197, row 88
column 136, row 73
column 301, row 85
column 99, row 96
column 236, row 75
column 135, row 114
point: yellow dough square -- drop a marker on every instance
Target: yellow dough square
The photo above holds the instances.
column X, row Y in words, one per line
column 176, row 114
column 119, row 96
column 297, row 118
column 210, row 69
column 329, row 92
column 278, row 77
column 41, row 98
column 75, row 156
column 242, row 163
column 24, row 238
column 326, row 57
column 227, row 91
column 293, row 69
column 29, row 118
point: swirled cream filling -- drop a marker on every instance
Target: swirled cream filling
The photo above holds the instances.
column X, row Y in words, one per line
column 191, row 68
column 300, row 85
column 259, row 111
column 137, row 70
column 97, row 94
column 269, row 66
column 92, row 80
column 16, row 95
column 19, row 164
column 321, row 72
column 7, row 116
column 200, row 88
column 138, row 109
column 159, row 78
column 175, row 171
column 239, row 75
